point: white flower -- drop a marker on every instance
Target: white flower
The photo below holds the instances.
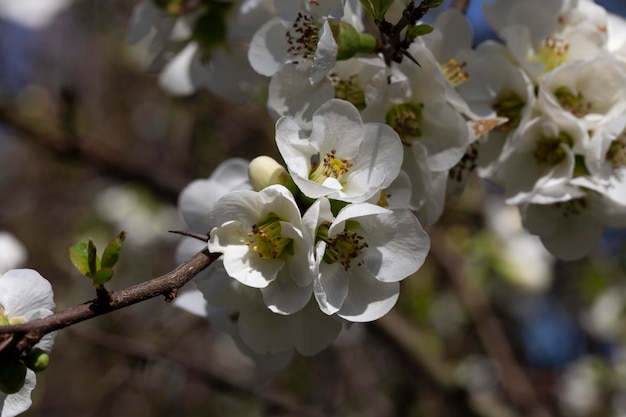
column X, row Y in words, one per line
column 569, row 229
column 24, row 295
column 266, row 337
column 34, row 14
column 184, row 65
column 341, row 157
column 265, row 245
column 362, row 254
column 301, row 35
column 12, row 252
column 196, row 200
column 542, row 161
column 195, row 203
column 593, row 91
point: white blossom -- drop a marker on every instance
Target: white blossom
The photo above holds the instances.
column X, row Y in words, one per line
column 362, row 254
column 341, row 157
column 24, row 295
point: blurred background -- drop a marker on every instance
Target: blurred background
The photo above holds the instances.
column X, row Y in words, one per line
column 90, row 146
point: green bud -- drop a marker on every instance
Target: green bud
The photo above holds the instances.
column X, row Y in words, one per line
column 264, row 171
column 37, row 360
column 350, row 42
column 12, row 376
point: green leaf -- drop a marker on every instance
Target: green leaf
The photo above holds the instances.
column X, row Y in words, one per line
column 102, row 276
column 433, row 3
column 92, row 258
column 112, row 251
column 78, row 256
column 368, row 6
column 377, row 8
column 413, row 32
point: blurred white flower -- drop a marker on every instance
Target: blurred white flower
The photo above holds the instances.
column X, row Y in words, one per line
column 12, row 253
column 34, row 14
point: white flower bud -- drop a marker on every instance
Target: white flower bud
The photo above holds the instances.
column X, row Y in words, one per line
column 264, row 171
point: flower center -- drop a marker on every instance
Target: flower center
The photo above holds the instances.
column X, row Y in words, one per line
column 553, row 52
column 303, row 37
column 343, row 247
column 6, row 321
column 572, row 207
column 349, row 90
column 266, row 240
column 616, row 154
column 548, row 150
column 509, row 105
column 330, row 167
column 406, row 120
column 453, row 72
column 573, row 103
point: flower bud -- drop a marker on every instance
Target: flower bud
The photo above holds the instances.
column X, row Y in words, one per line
column 350, row 42
column 264, row 171
column 37, row 360
column 12, row 376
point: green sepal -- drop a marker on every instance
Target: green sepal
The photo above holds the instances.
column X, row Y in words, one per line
column 112, row 251
column 12, row 376
column 37, row 360
column 414, row 31
column 102, row 276
column 377, row 8
column 78, row 256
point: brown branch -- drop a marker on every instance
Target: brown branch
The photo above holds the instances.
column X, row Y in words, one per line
column 26, row 335
column 488, row 328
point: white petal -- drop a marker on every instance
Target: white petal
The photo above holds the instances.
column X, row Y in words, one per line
column 316, row 331
column 331, row 288
column 266, row 332
column 14, row 404
column 23, row 293
column 325, row 54
column 192, row 301
column 284, row 296
column 368, row 298
column 268, row 48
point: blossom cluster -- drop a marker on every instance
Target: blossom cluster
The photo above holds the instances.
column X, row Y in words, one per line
column 374, row 146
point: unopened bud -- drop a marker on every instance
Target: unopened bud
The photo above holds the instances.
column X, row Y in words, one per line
column 12, row 376
column 350, row 42
column 264, row 171
column 37, row 360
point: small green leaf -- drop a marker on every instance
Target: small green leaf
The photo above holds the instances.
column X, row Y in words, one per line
column 377, row 8
column 92, row 258
column 112, row 251
column 102, row 276
column 433, row 3
column 78, row 256
column 413, row 32
column 368, row 6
